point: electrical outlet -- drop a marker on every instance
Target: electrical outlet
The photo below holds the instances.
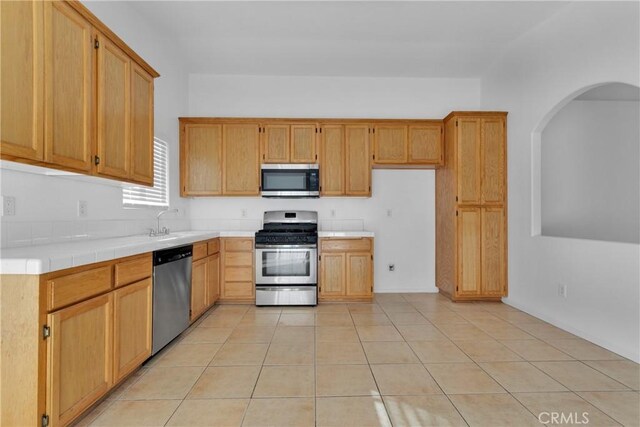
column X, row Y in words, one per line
column 562, row 290
column 8, row 205
column 392, row 267
column 389, row 213
column 244, row 213
column 333, row 213
column 83, row 208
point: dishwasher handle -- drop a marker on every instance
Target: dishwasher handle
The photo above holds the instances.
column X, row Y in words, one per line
column 170, row 255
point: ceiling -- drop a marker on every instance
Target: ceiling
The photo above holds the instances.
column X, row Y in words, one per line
column 382, row 39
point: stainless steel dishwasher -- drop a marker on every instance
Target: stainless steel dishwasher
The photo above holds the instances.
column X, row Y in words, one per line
column 171, row 294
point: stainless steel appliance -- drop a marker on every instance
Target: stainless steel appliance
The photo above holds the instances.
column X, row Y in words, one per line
column 287, row 259
column 290, row 180
column 171, row 294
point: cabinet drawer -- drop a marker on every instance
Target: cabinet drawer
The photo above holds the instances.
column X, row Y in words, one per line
column 342, row 245
column 238, row 259
column 238, row 245
column 238, row 290
column 133, row 270
column 199, row 250
column 238, row 274
column 76, row 287
column 213, row 246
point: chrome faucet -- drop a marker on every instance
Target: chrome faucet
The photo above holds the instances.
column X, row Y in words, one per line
column 164, row 230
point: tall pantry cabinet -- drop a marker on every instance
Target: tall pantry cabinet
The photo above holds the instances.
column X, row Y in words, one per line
column 471, row 207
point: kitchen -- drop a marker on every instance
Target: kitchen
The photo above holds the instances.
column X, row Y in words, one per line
column 399, row 214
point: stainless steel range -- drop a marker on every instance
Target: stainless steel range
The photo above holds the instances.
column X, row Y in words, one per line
column 287, row 259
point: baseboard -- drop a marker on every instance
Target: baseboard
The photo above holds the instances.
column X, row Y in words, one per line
column 624, row 352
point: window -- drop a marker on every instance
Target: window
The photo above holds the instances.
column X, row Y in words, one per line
column 158, row 195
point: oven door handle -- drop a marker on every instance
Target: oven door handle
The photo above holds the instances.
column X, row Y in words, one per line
column 286, row 246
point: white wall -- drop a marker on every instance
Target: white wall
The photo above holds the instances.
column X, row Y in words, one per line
column 590, row 172
column 585, row 44
column 407, row 238
column 46, row 206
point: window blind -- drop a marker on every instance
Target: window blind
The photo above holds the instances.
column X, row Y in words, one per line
column 158, row 195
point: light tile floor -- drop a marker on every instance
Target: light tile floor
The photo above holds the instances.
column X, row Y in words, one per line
column 404, row 360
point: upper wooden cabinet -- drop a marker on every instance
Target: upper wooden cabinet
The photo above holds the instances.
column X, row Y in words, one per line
column 74, row 95
column 21, row 79
column 114, row 109
column 289, row 143
column 345, row 165
column 201, row 160
column 408, row 144
column 240, row 159
column 68, row 71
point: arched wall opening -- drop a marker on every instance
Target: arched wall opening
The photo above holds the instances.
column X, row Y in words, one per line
column 586, row 166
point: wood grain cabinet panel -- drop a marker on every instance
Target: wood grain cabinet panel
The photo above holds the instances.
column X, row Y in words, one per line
column 332, row 165
column 200, row 250
column 79, row 361
column 494, row 160
column 21, row 79
column 133, row 270
column 113, row 109
column 213, row 279
column 358, row 160
column 71, row 288
column 359, row 274
column 469, row 249
column 241, row 161
column 132, row 328
column 468, row 161
column 238, row 244
column 333, row 274
column 493, row 251
column 237, row 269
column 142, row 132
column 201, row 159
column 390, row 142
column 198, row 288
column 303, row 144
column 425, row 144
column 68, row 72
column 276, row 144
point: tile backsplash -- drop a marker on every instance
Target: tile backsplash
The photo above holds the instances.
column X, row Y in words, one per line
column 26, row 233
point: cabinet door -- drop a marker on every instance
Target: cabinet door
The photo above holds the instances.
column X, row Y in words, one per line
column 303, row 144
column 358, row 171
column 333, row 274
column 332, row 162
column 494, row 162
column 425, row 144
column 198, row 288
column 213, row 279
column 359, row 274
column 390, row 143
column 201, row 158
column 79, row 360
column 141, row 125
column 114, row 109
column 494, row 271
column 21, row 79
column 469, row 246
column 468, row 160
column 276, row 144
column 68, row 86
column 241, row 162
column 132, row 310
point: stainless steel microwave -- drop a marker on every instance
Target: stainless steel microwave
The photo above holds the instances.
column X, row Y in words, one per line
column 290, row 180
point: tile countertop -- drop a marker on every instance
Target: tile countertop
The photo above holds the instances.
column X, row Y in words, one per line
column 58, row 256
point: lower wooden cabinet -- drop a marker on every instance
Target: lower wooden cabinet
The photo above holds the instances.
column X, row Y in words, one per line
column 132, row 327
column 198, row 288
column 213, row 279
column 237, row 275
column 346, row 269
column 79, row 358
